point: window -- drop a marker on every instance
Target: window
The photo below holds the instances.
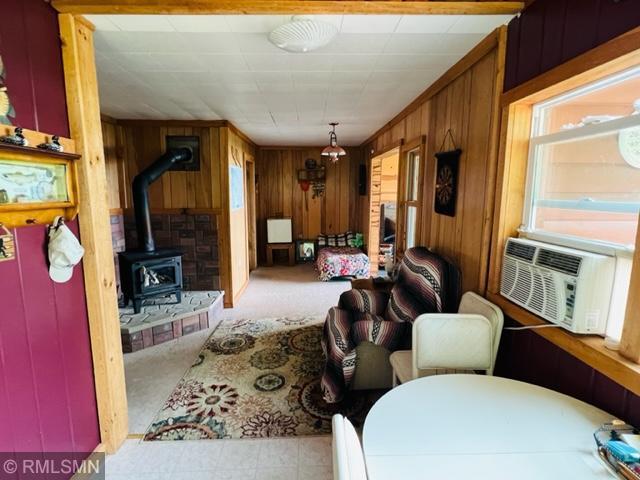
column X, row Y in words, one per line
column 583, row 186
column 583, row 180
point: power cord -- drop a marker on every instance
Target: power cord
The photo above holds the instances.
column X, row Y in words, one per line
column 531, row 327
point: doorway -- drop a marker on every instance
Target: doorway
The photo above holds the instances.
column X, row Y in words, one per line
column 383, row 209
column 411, row 173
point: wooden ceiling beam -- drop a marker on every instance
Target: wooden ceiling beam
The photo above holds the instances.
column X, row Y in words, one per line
column 247, row 7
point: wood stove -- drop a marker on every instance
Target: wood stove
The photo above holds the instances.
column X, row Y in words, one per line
column 144, row 275
column 149, row 272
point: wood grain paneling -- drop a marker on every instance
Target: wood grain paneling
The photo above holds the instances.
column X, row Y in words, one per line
column 95, row 229
column 235, row 269
column 142, row 143
column 279, row 194
column 467, row 106
column 291, row 7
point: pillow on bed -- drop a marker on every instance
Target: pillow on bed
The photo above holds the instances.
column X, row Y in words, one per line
column 336, row 240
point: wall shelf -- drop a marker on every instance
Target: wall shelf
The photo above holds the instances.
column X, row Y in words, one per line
column 35, row 192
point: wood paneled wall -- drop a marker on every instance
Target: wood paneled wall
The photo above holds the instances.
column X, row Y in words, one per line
column 465, row 102
column 117, row 194
column 140, row 143
column 279, row 194
column 237, row 151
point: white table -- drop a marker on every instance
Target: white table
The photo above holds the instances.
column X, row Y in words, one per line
column 480, row 427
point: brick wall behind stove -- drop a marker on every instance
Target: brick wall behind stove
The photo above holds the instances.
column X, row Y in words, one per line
column 195, row 235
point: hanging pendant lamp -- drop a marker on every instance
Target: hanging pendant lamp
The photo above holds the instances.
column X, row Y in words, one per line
column 333, row 150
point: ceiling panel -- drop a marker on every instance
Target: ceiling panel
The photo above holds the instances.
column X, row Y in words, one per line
column 214, row 67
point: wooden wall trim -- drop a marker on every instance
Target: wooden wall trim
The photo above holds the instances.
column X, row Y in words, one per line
column 95, row 229
column 616, row 54
column 480, row 50
column 245, row 7
column 630, row 342
column 588, row 349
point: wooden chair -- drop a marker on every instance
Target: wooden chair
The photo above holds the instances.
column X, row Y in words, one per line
column 465, row 342
column 348, row 457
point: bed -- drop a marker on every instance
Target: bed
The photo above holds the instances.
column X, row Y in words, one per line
column 335, row 259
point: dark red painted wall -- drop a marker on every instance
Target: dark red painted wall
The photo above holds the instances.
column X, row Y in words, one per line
column 524, row 355
column 550, row 32
column 30, row 49
column 547, row 34
column 47, row 395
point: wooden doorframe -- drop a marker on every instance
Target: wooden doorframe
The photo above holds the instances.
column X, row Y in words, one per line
column 250, row 188
column 420, row 144
column 99, row 270
column 375, row 191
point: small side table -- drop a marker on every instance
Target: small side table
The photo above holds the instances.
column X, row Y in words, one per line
column 281, row 246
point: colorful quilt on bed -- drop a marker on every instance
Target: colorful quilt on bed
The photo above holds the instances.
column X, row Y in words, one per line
column 342, row 262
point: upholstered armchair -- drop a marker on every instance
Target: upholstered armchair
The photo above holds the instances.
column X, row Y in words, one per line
column 367, row 325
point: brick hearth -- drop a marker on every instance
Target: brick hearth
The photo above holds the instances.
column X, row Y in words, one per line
column 161, row 320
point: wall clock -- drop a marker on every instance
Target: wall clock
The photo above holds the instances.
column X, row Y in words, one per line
column 446, row 182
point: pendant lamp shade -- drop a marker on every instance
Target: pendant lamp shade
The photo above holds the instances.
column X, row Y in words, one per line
column 333, row 150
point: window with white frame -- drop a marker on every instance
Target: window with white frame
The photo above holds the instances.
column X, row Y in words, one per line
column 583, row 180
column 584, row 165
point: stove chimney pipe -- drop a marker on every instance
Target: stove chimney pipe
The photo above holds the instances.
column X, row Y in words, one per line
column 141, row 193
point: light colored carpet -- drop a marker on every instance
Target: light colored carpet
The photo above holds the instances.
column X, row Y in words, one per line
column 281, row 291
column 256, row 379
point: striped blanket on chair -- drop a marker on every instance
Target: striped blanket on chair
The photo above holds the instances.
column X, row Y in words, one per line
column 423, row 285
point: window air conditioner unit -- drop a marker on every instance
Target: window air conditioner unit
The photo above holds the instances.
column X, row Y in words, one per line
column 571, row 288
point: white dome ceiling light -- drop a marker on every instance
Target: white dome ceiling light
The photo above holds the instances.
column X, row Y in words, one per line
column 302, row 35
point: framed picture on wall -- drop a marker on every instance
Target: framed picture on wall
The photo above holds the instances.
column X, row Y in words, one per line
column 305, row 251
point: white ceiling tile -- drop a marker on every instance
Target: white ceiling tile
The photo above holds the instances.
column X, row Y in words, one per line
column 225, row 67
column 224, row 63
column 141, row 42
column 208, row 42
column 414, row 43
column 356, row 43
column 102, row 23
column 479, row 23
column 200, row 23
column 370, row 23
column 142, row 23
column 255, row 23
column 451, row 43
column 257, row 43
column 426, row 23
column 353, row 62
column 236, row 87
column 412, row 62
column 267, row 63
column 311, row 62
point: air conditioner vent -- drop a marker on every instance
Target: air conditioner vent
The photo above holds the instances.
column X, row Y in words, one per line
column 559, row 261
column 520, row 250
column 551, row 297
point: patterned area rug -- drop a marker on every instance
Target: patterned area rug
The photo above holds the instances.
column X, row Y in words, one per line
column 256, row 378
